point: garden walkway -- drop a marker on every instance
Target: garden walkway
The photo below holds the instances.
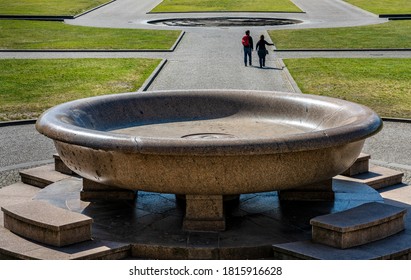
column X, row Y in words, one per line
column 209, row 58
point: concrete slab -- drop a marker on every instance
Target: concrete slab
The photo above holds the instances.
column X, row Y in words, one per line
column 398, row 193
column 42, row 176
column 15, row 194
column 18, row 191
column 378, row 177
column 308, row 250
column 89, row 250
column 48, row 224
column 358, row 226
column 13, row 246
column 391, row 248
column 16, row 247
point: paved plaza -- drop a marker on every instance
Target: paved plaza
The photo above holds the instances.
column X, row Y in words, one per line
column 212, row 58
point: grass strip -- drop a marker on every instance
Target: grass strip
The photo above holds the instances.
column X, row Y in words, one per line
column 47, row 7
column 382, row 84
column 180, row 6
column 30, row 86
column 383, row 6
column 390, row 35
column 22, row 34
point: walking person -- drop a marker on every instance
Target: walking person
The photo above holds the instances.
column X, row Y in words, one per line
column 261, row 50
column 248, row 45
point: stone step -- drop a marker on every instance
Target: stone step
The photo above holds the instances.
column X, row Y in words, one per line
column 14, row 246
column 42, row 176
column 361, row 165
column 396, row 247
column 378, row 177
column 48, row 224
column 358, row 226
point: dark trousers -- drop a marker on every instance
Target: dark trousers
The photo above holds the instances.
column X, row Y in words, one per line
column 261, row 56
column 247, row 53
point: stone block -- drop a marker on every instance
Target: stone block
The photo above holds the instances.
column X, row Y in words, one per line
column 46, row 223
column 321, row 191
column 93, row 191
column 204, row 213
column 361, row 165
column 61, row 167
column 359, row 225
column 378, row 177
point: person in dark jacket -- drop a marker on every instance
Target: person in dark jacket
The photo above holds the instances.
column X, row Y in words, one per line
column 261, row 50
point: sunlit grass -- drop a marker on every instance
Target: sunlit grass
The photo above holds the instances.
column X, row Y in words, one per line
column 170, row 6
column 384, row 6
column 47, row 7
column 390, row 35
column 28, row 87
column 22, row 34
column 381, row 84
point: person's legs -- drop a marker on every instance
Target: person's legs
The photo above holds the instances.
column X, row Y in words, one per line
column 247, row 52
column 249, row 56
column 261, row 58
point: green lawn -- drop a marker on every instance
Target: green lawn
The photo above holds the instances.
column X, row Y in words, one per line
column 170, row 6
column 28, row 87
column 384, row 6
column 21, row 34
column 47, row 7
column 393, row 34
column 381, row 84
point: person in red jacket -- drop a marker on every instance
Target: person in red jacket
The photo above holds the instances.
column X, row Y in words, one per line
column 248, row 45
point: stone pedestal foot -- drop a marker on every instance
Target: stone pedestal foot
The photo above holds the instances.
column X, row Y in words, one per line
column 93, row 191
column 321, row 191
column 204, row 213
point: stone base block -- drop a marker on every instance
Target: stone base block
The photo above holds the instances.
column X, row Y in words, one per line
column 61, row 167
column 204, row 213
column 227, row 199
column 357, row 226
column 91, row 196
column 361, row 165
column 321, row 191
column 93, row 191
column 46, row 223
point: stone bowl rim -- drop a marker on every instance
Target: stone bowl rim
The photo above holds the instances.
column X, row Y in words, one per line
column 366, row 124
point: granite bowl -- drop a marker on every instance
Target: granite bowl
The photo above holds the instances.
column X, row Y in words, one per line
column 209, row 142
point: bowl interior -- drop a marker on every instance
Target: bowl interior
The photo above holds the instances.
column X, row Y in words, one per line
column 192, row 119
